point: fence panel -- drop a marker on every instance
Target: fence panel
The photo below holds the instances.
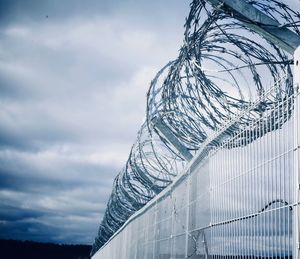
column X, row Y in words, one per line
column 240, row 201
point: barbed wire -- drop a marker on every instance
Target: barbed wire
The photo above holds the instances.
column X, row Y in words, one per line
column 222, row 68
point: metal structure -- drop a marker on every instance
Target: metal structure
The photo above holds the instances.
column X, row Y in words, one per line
column 219, row 148
column 235, row 201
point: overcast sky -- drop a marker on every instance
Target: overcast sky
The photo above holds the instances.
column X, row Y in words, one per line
column 73, row 82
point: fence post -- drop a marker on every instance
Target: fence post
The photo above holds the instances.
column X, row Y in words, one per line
column 187, row 215
column 296, row 214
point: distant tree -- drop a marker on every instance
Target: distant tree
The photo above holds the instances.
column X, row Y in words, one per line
column 14, row 249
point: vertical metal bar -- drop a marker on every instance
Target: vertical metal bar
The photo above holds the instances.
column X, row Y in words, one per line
column 264, row 176
column 259, row 176
column 154, row 229
column 226, row 204
column 290, row 190
column 231, row 192
column 211, row 201
column 296, row 154
column 172, row 222
column 254, row 187
column 245, row 225
column 236, row 158
column 241, row 184
column 276, row 173
column 285, row 171
column 248, row 210
column 222, row 215
column 257, row 184
column 187, row 214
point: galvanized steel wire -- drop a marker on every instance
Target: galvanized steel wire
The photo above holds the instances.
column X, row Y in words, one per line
column 222, row 67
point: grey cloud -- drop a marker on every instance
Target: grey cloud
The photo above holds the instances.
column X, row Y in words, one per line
column 35, row 10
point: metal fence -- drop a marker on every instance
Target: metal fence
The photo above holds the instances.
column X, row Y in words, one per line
column 239, row 199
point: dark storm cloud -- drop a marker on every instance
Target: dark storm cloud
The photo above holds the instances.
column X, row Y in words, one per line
column 18, row 176
column 73, row 82
column 54, row 208
column 10, row 213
